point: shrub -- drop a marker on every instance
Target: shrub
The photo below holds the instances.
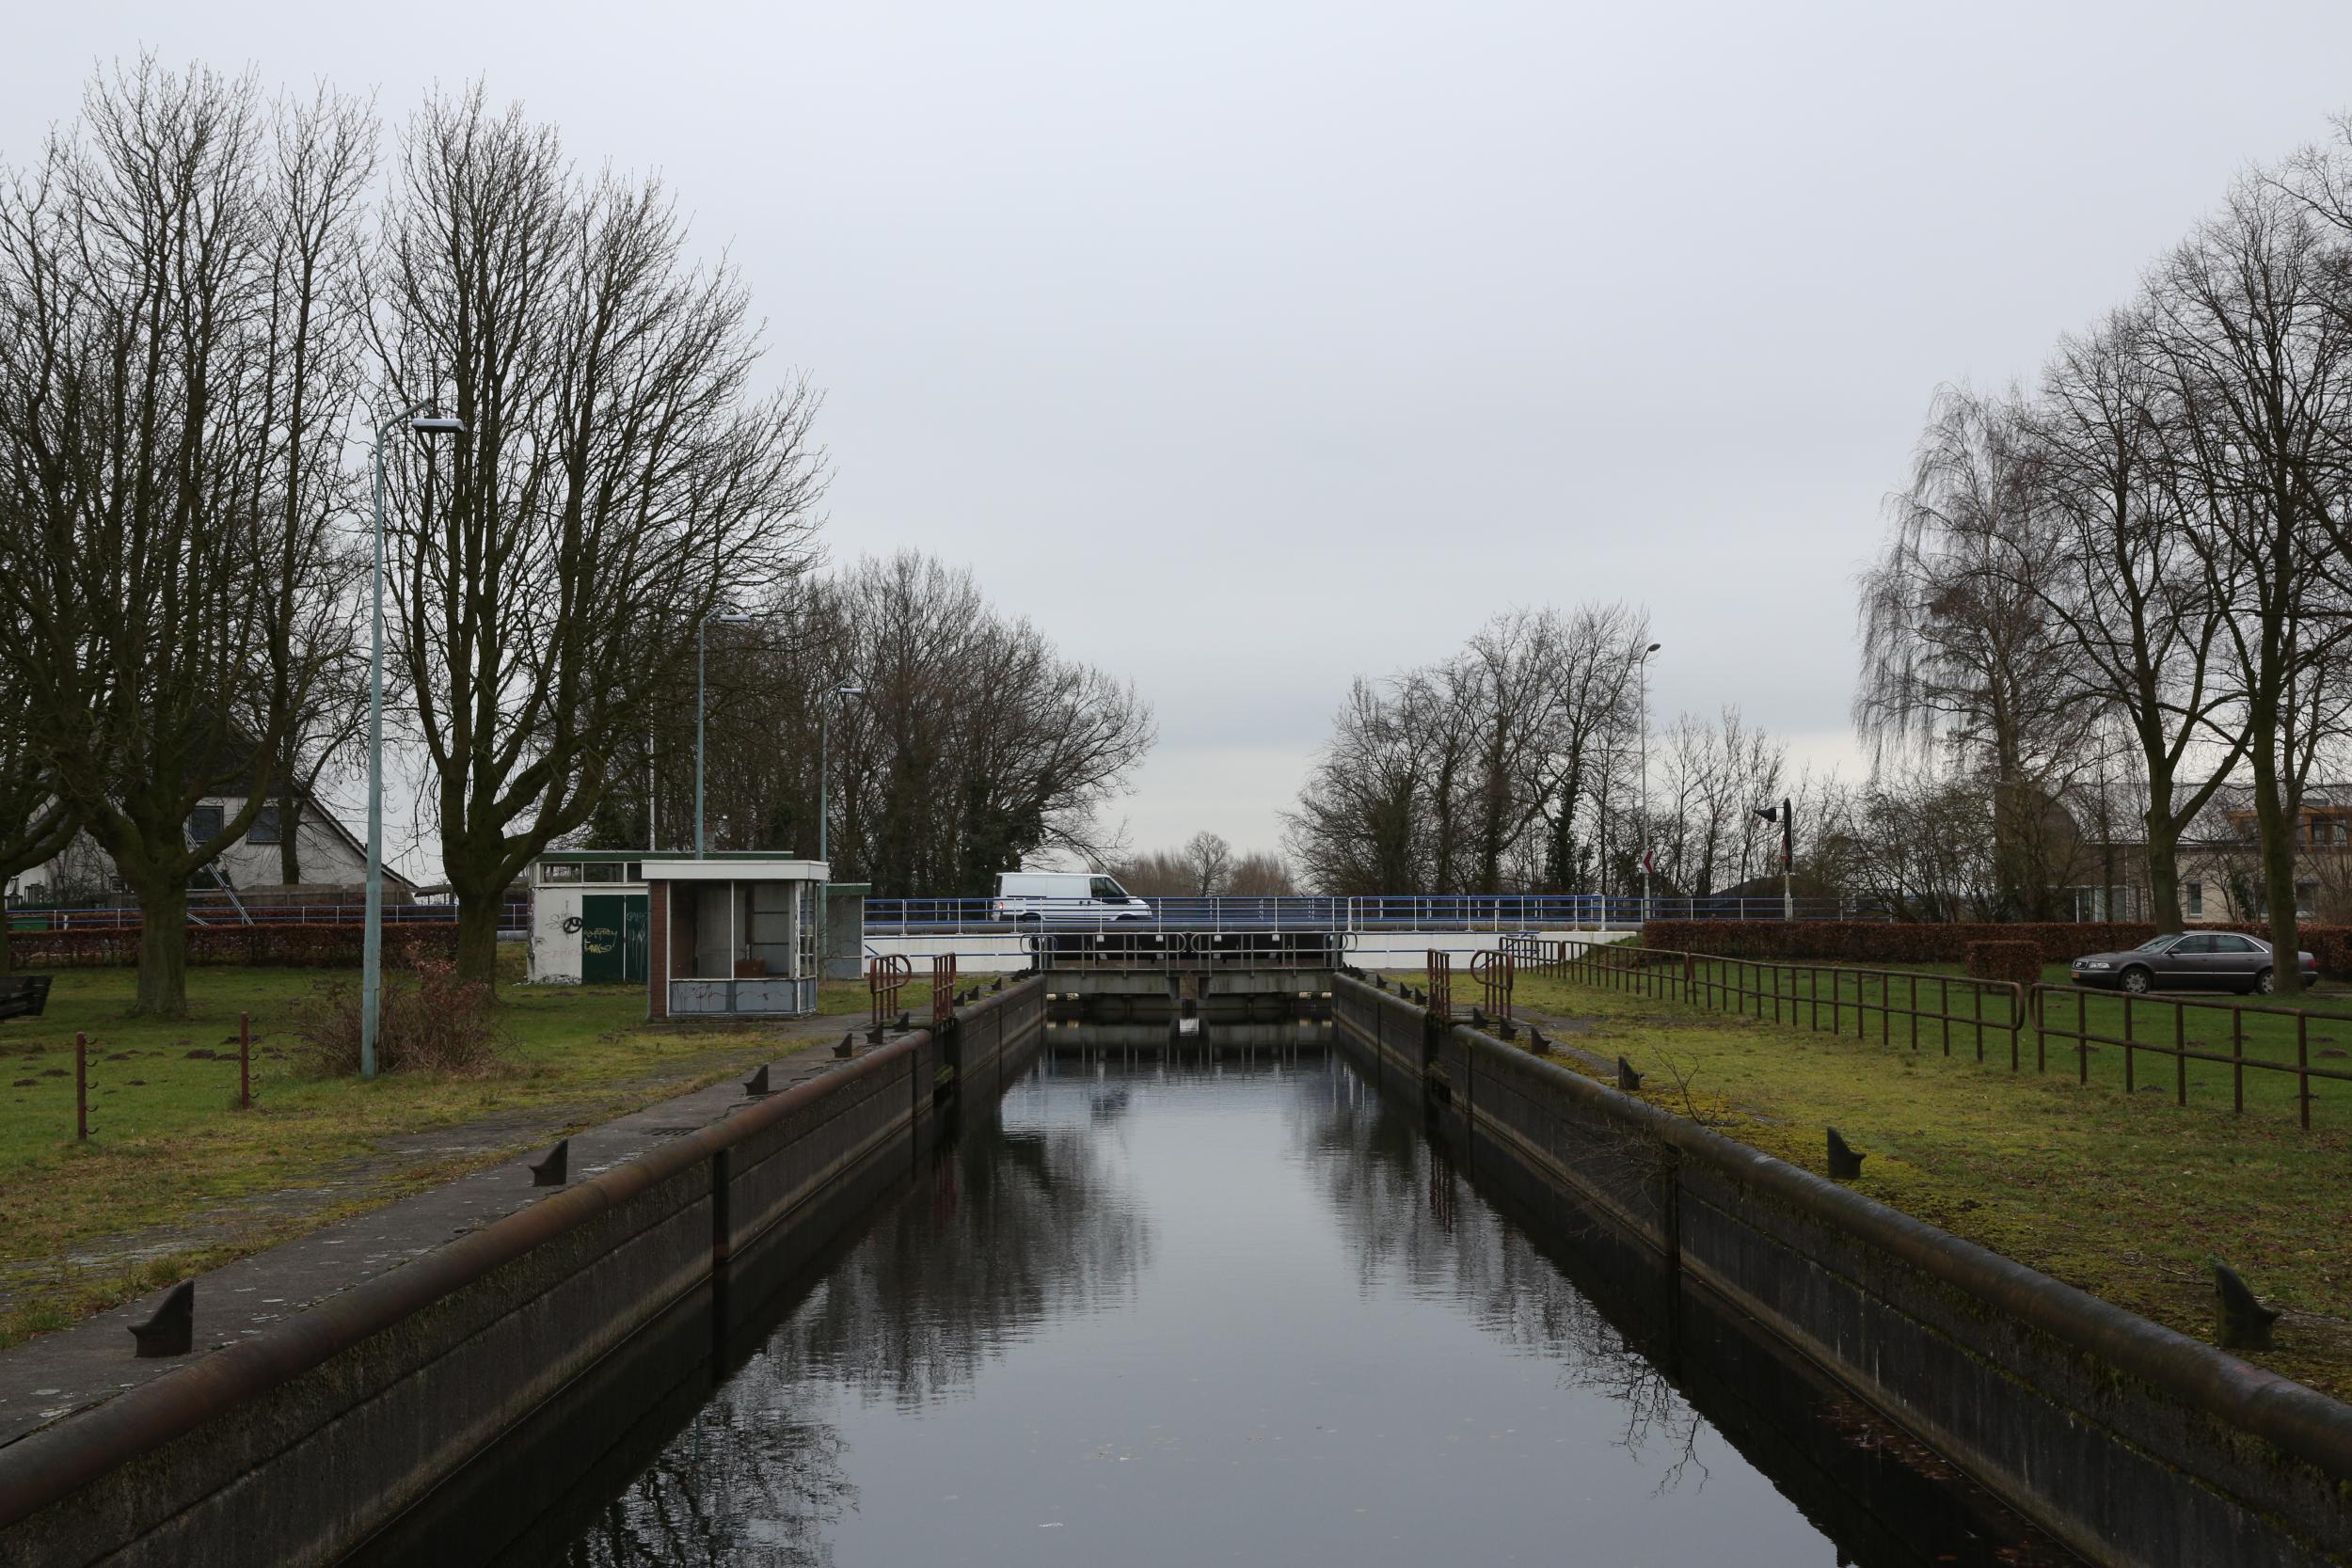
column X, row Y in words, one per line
column 430, row 1020
column 2016, row 961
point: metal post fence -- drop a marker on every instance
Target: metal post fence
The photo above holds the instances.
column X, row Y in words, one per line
column 1986, row 1013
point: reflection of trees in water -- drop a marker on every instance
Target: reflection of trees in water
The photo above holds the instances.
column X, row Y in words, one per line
column 1023, row 1226
column 745, row 1485
column 1017, row 1227
column 1409, row 1215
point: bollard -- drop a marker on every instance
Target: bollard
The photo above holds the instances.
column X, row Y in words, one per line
column 1845, row 1162
column 81, row 1086
column 2240, row 1321
column 244, row 1061
column 172, row 1329
column 554, row 1169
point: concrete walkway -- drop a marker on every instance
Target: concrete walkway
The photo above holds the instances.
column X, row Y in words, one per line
column 50, row 1378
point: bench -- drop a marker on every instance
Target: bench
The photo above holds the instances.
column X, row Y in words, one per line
column 24, row 995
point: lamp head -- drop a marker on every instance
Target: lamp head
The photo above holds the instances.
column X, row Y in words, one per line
column 848, row 692
column 1654, row 647
column 438, row 425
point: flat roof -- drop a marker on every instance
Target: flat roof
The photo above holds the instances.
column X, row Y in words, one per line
column 736, row 868
column 665, row 857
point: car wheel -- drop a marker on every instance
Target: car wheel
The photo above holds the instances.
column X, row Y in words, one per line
column 2137, row 980
column 2262, row 983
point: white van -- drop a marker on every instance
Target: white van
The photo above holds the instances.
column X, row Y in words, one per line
column 1060, row 898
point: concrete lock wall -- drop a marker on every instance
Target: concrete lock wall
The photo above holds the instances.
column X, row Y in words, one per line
column 2133, row 1444
column 297, row 1445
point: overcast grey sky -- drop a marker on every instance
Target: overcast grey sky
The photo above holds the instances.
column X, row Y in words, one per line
column 1247, row 347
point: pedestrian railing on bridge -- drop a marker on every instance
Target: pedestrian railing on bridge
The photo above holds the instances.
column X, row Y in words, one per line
column 1496, row 912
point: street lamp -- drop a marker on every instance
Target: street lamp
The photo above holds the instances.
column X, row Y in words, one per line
column 372, row 943
column 701, row 639
column 824, row 769
column 1647, row 847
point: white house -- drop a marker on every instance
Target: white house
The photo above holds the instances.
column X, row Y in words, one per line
column 331, row 856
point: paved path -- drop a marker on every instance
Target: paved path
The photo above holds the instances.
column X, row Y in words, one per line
column 52, row 1377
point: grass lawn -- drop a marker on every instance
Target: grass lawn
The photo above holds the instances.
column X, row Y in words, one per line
column 2122, row 1195
column 175, row 1178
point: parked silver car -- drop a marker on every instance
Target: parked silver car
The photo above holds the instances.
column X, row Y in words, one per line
column 2196, row 961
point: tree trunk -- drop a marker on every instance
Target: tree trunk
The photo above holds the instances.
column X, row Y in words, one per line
column 289, row 834
column 478, row 937
column 2278, row 827
column 163, row 990
column 2164, row 868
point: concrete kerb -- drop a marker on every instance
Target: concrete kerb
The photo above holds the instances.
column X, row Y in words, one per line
column 48, row 1465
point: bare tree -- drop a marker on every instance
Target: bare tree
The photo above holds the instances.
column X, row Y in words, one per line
column 1209, row 862
column 2126, row 585
column 164, row 444
column 1261, row 875
column 1711, row 777
column 968, row 746
column 1486, row 770
column 2255, row 349
column 622, row 481
column 1356, row 826
column 1956, row 652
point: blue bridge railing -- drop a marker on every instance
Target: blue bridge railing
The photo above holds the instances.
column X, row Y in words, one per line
column 1533, row 912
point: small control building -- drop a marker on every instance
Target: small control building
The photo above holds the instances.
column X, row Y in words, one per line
column 737, row 935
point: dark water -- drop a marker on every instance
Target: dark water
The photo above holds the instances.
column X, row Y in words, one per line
column 1198, row 1312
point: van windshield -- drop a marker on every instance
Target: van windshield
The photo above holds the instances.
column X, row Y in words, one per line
column 1105, row 887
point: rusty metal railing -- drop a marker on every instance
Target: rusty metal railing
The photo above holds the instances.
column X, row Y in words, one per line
column 884, row 976
column 943, row 988
column 1440, row 985
column 1826, row 998
column 1494, row 971
column 2210, row 1043
column 2172, row 1018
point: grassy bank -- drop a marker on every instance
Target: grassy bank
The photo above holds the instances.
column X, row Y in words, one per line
column 175, row 1177
column 2122, row 1195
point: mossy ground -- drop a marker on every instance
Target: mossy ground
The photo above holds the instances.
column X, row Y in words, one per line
column 2122, row 1195
column 171, row 1157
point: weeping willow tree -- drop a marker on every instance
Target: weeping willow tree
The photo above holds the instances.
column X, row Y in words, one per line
column 1960, row 661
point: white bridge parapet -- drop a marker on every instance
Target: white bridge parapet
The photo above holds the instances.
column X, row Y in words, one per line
column 1001, row 953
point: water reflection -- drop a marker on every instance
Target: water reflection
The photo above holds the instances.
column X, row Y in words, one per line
column 1019, row 1226
column 1182, row 1306
column 1412, row 1219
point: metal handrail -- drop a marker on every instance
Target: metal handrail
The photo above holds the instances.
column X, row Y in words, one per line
column 1394, row 914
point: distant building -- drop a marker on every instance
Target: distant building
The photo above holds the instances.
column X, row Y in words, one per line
column 332, row 859
column 2219, row 861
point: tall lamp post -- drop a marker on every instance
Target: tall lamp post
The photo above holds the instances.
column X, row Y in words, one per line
column 824, row 764
column 371, row 942
column 1649, row 847
column 702, row 630
column 824, row 774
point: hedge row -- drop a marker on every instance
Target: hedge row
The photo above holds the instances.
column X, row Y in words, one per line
column 321, row 945
column 1865, row 943
column 2017, row 962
